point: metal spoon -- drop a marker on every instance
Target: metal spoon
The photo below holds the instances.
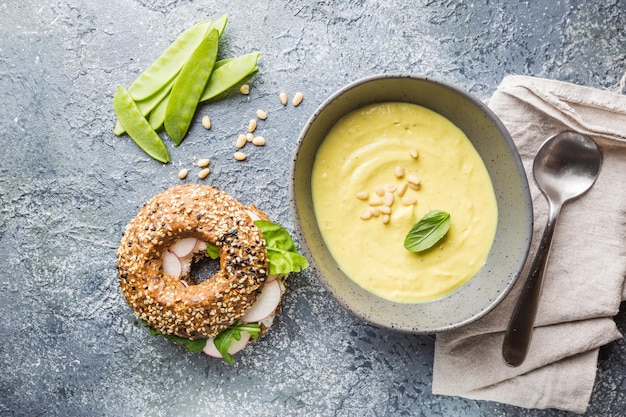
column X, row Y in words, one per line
column 565, row 167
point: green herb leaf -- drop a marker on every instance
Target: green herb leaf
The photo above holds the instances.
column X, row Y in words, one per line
column 428, row 231
column 225, row 338
column 212, row 250
column 191, row 345
column 282, row 253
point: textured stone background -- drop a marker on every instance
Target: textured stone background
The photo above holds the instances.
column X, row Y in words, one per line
column 70, row 346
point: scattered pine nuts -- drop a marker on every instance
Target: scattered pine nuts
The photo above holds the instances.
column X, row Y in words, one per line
column 203, row 163
column 408, row 201
column 374, row 211
column 240, row 156
column 241, row 141
column 366, row 215
column 375, row 201
column 386, row 218
column 283, row 98
column 249, row 137
column 399, row 171
column 380, row 191
column 252, row 125
column 402, row 189
column 206, row 122
column 384, row 209
column 390, row 188
column 204, row 173
column 244, row 89
column 414, row 153
column 297, row 99
column 363, row 195
column 182, row 174
column 261, row 114
column 258, row 141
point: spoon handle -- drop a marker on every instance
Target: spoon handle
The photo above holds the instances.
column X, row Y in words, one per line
column 519, row 331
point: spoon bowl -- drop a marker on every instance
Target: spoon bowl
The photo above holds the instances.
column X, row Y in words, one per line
column 565, row 167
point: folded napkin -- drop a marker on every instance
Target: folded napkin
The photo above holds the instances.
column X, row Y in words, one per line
column 584, row 282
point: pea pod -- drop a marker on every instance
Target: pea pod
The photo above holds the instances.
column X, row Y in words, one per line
column 157, row 116
column 138, row 127
column 169, row 63
column 148, row 105
column 229, row 72
column 188, row 88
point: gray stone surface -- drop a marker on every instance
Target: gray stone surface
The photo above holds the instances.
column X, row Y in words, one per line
column 70, row 346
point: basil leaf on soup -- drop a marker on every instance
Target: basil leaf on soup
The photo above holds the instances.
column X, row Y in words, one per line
column 428, row 231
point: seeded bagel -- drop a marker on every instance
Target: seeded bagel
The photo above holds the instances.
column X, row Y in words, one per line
column 205, row 309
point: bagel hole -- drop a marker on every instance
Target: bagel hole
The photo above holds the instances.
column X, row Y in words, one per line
column 203, row 269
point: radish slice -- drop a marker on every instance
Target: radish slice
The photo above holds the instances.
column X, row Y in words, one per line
column 235, row 346
column 200, row 246
column 184, row 246
column 265, row 303
column 253, row 215
column 172, row 265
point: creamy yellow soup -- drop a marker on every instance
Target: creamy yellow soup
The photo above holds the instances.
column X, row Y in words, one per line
column 379, row 171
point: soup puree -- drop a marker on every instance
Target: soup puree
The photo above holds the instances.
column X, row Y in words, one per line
column 423, row 162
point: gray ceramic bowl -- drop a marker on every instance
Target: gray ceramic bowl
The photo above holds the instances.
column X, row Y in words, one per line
column 491, row 139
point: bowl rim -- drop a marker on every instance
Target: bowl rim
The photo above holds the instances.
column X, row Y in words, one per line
column 519, row 169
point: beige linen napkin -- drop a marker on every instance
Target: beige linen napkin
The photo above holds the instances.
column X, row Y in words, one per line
column 584, row 282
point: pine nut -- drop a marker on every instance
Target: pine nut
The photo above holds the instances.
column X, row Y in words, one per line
column 374, row 211
column 408, row 201
column 203, row 163
column 252, row 125
column 182, row 174
column 402, row 189
column 386, row 218
column 388, row 199
column 297, row 99
column 261, row 114
column 380, row 191
column 283, row 98
column 375, row 201
column 412, row 179
column 258, row 141
column 240, row 156
column 241, row 141
column 204, row 173
column 384, row 209
column 244, row 89
column 414, row 153
column 363, row 195
column 414, row 186
column 399, row 171
column 366, row 215
column 390, row 188
column 249, row 137
column 206, row 122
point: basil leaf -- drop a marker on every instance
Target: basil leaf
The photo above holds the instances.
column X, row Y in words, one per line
column 282, row 253
column 212, row 250
column 428, row 231
column 225, row 338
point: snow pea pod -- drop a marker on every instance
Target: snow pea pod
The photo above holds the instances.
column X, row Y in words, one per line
column 137, row 126
column 157, row 116
column 229, row 72
column 148, row 105
column 188, row 88
column 169, row 63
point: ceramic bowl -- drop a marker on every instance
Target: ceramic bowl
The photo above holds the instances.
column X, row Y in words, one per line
column 515, row 218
